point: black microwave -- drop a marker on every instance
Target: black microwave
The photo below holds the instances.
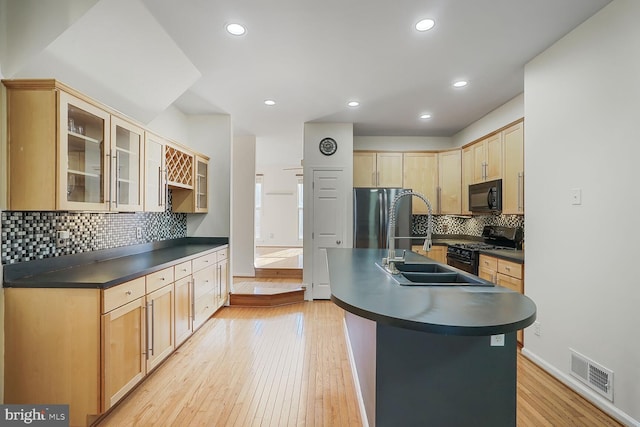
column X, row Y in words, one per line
column 486, row 197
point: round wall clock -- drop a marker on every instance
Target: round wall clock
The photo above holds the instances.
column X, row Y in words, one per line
column 328, row 146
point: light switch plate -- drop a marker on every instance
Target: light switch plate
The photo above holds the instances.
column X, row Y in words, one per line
column 576, row 196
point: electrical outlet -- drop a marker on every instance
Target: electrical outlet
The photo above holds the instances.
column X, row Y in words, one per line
column 536, row 328
column 138, row 233
column 497, row 340
column 62, row 238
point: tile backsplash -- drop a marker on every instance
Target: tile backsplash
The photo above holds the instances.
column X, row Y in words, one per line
column 32, row 235
column 471, row 226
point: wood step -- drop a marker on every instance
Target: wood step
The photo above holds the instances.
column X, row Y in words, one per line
column 265, row 294
column 289, row 273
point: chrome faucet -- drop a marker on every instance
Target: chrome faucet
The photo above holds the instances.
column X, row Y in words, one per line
column 390, row 261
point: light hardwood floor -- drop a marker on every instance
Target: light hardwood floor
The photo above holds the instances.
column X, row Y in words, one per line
column 288, row 366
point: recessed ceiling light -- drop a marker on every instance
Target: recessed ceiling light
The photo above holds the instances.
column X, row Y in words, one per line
column 269, row 102
column 460, row 83
column 425, row 116
column 425, row 24
column 353, row 103
column 236, row 29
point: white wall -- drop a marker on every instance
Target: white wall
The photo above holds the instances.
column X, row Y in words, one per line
column 509, row 112
column 582, row 101
column 171, row 123
column 242, row 205
column 279, row 222
column 313, row 159
column 401, row 143
column 211, row 135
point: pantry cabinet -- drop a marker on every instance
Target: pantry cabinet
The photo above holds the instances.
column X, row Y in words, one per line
column 381, row 169
column 420, row 173
column 513, row 176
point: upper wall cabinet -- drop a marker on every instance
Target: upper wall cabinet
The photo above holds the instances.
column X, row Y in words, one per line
column 513, row 176
column 194, row 200
column 69, row 152
column 449, row 182
column 421, row 174
column 372, row 169
column 66, row 153
column 487, row 159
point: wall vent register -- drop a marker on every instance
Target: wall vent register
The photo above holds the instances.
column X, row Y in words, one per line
column 592, row 374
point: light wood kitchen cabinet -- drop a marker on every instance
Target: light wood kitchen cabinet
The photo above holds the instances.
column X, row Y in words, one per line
column 123, row 341
column 420, row 173
column 382, row 169
column 513, row 176
column 155, row 173
column 467, row 178
column 487, row 159
column 194, row 200
column 504, row 273
column 127, row 163
column 183, row 309
column 222, row 280
column 449, row 181
column 160, row 325
column 437, row 253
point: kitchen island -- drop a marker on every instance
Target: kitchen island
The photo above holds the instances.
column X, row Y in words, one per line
column 428, row 355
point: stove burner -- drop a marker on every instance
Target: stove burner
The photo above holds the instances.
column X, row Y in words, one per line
column 474, row 246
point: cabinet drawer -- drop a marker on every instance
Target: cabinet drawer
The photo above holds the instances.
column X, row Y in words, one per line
column 510, row 283
column 159, row 279
column 204, row 307
column 182, row 270
column 222, row 254
column 119, row 295
column 204, row 261
column 488, row 262
column 205, row 281
column 510, row 268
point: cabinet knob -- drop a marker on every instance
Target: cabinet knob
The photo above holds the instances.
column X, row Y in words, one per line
column 128, row 293
column 338, row 242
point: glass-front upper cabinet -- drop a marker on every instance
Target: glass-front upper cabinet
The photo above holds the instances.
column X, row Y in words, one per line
column 83, row 159
column 127, row 148
column 201, row 202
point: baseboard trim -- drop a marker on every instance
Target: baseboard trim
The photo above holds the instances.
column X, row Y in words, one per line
column 356, row 380
column 583, row 391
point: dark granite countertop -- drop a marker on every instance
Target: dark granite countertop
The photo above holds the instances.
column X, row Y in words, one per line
column 516, row 256
column 106, row 268
column 361, row 287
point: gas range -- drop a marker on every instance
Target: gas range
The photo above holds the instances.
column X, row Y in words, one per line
column 465, row 256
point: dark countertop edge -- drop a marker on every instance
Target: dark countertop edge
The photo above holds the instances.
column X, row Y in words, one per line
column 435, row 329
column 16, row 275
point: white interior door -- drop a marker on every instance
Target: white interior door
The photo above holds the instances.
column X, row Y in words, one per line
column 328, row 225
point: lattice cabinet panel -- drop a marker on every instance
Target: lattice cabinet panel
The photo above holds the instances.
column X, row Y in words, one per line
column 179, row 167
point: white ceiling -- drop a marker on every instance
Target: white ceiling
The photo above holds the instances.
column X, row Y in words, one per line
column 311, row 57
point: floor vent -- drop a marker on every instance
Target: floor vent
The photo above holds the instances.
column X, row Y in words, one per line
column 595, row 376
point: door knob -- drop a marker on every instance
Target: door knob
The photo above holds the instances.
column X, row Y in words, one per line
column 338, row 242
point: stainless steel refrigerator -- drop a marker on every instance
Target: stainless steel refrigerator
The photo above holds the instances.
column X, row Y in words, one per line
column 371, row 218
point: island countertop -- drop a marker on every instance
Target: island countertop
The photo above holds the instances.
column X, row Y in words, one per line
column 361, row 287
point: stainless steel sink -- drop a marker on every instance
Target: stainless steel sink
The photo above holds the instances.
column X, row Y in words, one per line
column 431, row 274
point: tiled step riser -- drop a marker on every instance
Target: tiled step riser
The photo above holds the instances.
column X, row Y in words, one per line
column 252, row 300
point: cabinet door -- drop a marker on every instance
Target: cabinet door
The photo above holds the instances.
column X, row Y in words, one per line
column 126, row 166
column 183, row 309
column 467, row 178
column 449, row 166
column 160, row 333
column 513, row 178
column 123, row 350
column 364, row 169
column 420, row 171
column 155, row 174
column 201, row 198
column 83, row 162
column 222, row 290
column 479, row 161
column 493, row 168
column 389, row 169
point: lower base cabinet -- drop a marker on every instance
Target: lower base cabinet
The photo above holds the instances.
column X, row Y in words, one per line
column 89, row 347
column 437, row 253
